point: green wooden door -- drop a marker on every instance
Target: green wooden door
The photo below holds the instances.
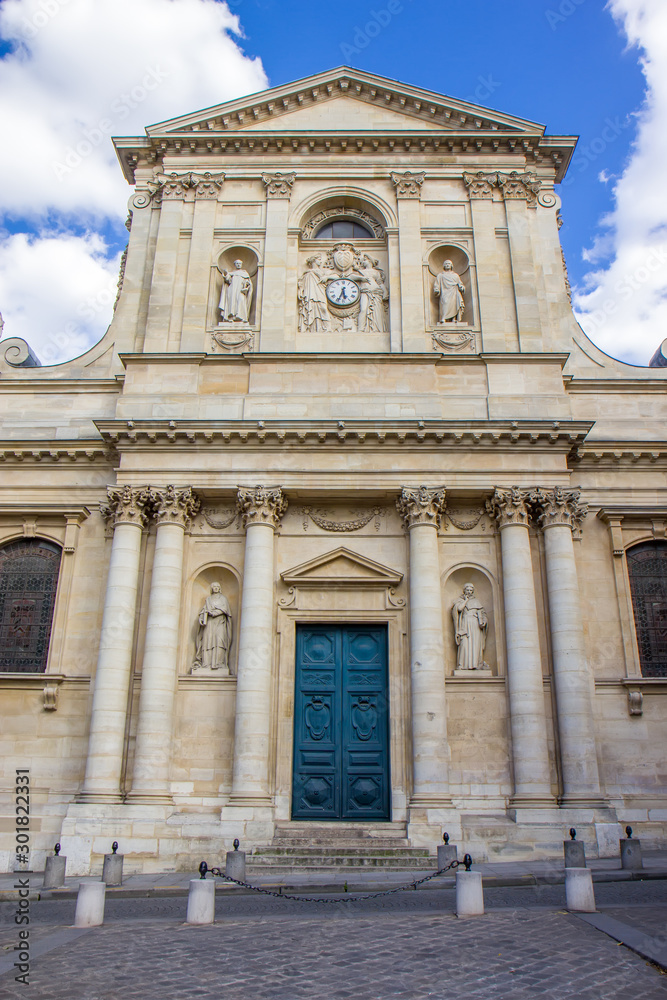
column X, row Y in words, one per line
column 341, row 745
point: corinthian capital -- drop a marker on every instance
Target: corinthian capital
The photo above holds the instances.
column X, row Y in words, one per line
column 173, row 505
column 509, row 506
column 278, row 185
column 519, row 187
column 207, row 185
column 173, row 186
column 558, row 506
column 409, row 184
column 421, row 506
column 261, row 505
column 127, row 505
column 480, row 185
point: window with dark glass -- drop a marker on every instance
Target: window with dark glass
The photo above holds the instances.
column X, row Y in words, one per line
column 343, row 229
column 647, row 566
column 28, row 581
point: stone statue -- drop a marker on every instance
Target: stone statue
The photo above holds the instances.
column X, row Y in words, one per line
column 373, row 294
column 449, row 289
column 236, row 295
column 313, row 311
column 470, row 628
column 214, row 638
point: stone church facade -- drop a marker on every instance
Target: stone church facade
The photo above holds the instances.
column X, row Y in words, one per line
column 344, row 520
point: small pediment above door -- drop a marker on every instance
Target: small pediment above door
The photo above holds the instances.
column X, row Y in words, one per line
column 341, row 568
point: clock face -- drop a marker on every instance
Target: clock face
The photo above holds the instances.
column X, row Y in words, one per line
column 342, row 292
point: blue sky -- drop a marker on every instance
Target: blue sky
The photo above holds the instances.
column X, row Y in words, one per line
column 578, row 66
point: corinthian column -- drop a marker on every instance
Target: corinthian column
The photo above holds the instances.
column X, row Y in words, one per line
column 172, row 509
column 558, row 511
column 126, row 506
column 532, row 775
column 421, row 510
column 262, row 510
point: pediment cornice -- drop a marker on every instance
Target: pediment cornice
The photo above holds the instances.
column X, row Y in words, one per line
column 341, row 567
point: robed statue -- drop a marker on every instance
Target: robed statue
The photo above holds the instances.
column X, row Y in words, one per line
column 448, row 289
column 236, row 295
column 214, row 638
column 470, row 629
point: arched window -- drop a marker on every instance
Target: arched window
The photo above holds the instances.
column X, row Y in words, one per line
column 28, row 581
column 647, row 566
column 343, row 229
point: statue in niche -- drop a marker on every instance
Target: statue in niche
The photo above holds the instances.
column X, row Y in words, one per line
column 214, row 638
column 470, row 630
column 373, row 295
column 313, row 311
column 448, row 289
column 236, row 295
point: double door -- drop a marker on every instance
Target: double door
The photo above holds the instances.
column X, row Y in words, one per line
column 341, row 746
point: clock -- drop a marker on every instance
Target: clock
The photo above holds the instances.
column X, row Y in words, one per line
column 342, row 292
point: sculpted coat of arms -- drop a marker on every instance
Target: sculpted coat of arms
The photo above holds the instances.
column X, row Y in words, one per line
column 342, row 289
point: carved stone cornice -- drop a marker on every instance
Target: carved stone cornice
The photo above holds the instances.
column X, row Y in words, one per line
column 558, row 506
column 509, row 506
column 520, row 187
column 408, row 184
column 480, row 185
column 207, row 185
column 278, row 184
column 261, row 505
column 421, row 506
column 173, row 505
column 127, row 505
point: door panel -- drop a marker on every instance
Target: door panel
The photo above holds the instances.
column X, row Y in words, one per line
column 341, row 758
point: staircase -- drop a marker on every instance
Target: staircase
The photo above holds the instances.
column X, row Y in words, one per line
column 330, row 847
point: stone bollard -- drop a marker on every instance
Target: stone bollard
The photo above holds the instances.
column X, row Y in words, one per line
column 469, row 892
column 579, row 895
column 201, row 901
column 631, row 852
column 90, row 904
column 54, row 872
column 573, row 850
column 235, row 863
column 112, row 872
column 446, row 852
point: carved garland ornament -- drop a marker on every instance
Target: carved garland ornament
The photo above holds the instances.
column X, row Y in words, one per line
column 316, row 516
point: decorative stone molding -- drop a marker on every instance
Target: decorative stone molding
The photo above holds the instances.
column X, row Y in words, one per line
column 173, row 186
column 207, row 185
column 143, row 196
column 308, row 231
column 509, row 506
column 480, row 185
column 464, row 342
column 635, row 702
column 261, row 505
column 50, row 697
column 279, row 185
column 558, row 506
column 465, row 518
column 409, row 184
column 127, row 505
column 421, row 506
column 173, row 505
column 327, row 524
column 233, row 341
column 220, row 518
column 520, row 187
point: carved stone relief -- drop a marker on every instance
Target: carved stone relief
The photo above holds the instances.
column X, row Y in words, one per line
column 342, row 289
column 408, row 184
column 449, row 298
column 214, row 636
column 471, row 625
column 235, row 288
column 363, row 517
column 278, row 185
column 310, row 229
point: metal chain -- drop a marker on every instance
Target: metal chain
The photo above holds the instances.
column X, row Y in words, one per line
column 339, row 899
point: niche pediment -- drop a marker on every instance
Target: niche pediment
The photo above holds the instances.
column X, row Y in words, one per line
column 341, row 568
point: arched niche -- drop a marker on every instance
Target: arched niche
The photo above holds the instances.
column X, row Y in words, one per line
column 198, row 590
column 224, row 262
column 309, row 215
column 461, row 263
column 486, row 591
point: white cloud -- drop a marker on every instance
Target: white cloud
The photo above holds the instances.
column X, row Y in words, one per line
column 623, row 305
column 81, row 71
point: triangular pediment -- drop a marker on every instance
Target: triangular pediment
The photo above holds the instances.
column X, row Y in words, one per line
column 344, row 99
column 341, row 567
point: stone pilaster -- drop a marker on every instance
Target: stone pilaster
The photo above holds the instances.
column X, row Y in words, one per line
column 172, row 508
column 480, row 187
column 262, row 509
column 532, row 777
column 421, row 510
column 408, row 192
column 127, row 507
column 207, row 188
column 275, row 288
column 520, row 194
column 558, row 511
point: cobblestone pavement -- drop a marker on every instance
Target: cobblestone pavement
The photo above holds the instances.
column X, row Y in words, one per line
column 408, row 946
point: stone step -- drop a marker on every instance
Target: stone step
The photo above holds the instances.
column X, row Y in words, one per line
column 316, row 852
column 326, row 862
column 369, row 843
